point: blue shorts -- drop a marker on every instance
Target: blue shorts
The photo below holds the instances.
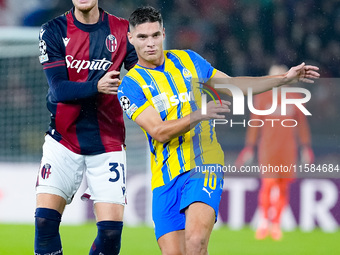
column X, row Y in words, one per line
column 170, row 201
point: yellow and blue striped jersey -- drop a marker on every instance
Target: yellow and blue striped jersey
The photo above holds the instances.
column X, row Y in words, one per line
column 173, row 90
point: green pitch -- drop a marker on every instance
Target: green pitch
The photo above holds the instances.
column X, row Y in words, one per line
column 18, row 240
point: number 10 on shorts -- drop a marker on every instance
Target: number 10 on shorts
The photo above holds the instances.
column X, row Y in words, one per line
column 210, row 179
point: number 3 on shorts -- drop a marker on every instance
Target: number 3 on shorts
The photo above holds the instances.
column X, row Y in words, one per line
column 114, row 168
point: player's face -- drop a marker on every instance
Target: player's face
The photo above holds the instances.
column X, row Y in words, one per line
column 85, row 5
column 148, row 41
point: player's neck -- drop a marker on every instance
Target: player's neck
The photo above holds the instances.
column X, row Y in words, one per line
column 88, row 17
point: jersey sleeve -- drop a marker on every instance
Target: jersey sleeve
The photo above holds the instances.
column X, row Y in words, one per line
column 204, row 69
column 49, row 45
column 52, row 57
column 132, row 98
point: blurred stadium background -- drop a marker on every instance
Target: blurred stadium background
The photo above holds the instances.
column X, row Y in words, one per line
column 239, row 37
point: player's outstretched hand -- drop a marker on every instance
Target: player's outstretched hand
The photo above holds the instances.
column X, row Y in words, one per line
column 109, row 83
column 302, row 72
column 214, row 110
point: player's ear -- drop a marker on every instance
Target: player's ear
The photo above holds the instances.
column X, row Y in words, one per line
column 129, row 36
column 163, row 33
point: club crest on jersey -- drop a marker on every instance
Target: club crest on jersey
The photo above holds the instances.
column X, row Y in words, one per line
column 46, row 171
column 111, row 43
column 187, row 74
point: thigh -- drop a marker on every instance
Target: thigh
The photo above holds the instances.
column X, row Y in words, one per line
column 166, row 213
column 51, row 201
column 200, row 219
column 108, row 212
column 60, row 173
column 205, row 187
column 172, row 243
column 106, row 177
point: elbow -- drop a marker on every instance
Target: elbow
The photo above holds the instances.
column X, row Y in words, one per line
column 54, row 96
column 56, row 92
column 55, row 87
column 61, row 95
column 160, row 135
column 57, row 96
column 161, row 138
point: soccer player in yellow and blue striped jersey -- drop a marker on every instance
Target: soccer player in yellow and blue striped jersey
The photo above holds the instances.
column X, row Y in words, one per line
column 172, row 91
column 162, row 95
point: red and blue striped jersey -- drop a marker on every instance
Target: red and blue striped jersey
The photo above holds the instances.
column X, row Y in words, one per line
column 74, row 57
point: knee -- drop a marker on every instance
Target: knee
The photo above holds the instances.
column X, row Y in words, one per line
column 108, row 240
column 47, row 238
column 41, row 223
column 196, row 243
column 110, row 230
column 47, row 220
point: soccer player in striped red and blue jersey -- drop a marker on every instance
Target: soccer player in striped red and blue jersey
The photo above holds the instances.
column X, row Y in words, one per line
column 82, row 52
column 161, row 94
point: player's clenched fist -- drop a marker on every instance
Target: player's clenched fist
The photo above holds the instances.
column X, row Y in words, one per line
column 109, row 83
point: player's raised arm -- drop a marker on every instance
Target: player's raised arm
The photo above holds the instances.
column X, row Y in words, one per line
column 302, row 72
column 164, row 131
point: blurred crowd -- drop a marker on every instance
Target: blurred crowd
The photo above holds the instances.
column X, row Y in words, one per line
column 244, row 37
column 240, row 37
